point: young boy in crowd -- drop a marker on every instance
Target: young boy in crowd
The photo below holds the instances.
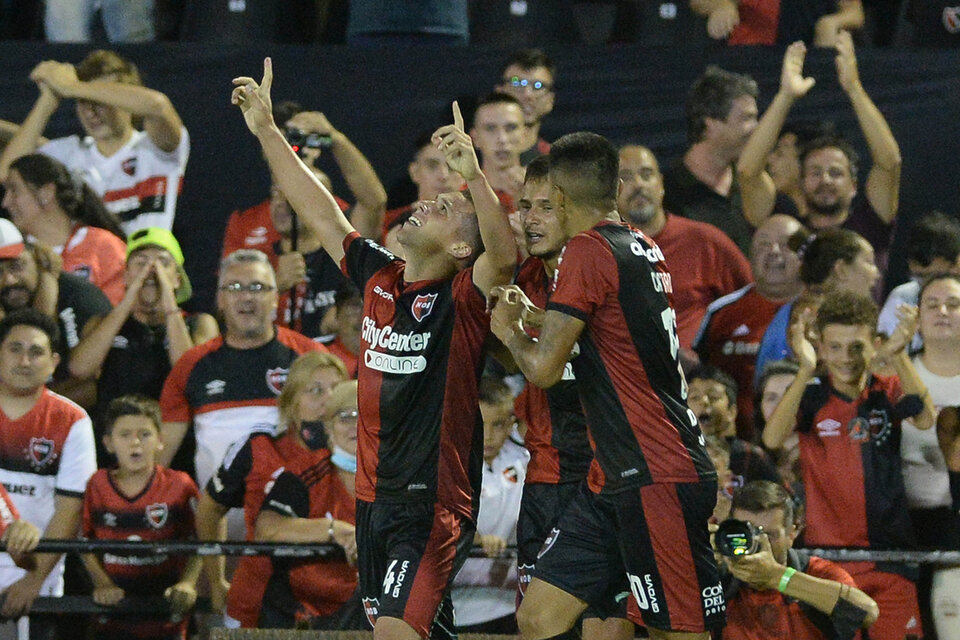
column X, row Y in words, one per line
column 848, row 421
column 140, row 500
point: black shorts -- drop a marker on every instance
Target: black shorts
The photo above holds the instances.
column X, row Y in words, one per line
column 650, row 544
column 408, row 556
column 540, row 510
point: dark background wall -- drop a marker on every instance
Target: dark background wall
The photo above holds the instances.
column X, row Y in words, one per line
column 383, row 99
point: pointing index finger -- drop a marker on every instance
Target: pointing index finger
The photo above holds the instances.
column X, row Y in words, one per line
column 457, row 117
column 267, row 74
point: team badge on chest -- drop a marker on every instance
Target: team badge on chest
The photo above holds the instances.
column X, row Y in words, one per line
column 276, row 378
column 157, row 514
column 423, row 305
column 41, row 452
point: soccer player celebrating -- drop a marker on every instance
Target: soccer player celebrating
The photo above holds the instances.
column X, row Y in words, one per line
column 423, row 330
column 651, row 488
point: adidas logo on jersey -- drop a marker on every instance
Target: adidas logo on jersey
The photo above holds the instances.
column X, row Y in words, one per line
column 215, row 387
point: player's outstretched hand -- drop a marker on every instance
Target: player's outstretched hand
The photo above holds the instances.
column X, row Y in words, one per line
column 457, row 146
column 791, row 76
column 847, row 73
column 506, row 305
column 254, row 99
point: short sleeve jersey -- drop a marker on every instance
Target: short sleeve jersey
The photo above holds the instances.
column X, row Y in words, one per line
column 47, row 451
column 556, row 435
column 612, row 278
column 761, row 615
column 139, row 183
column 248, row 470
column 419, row 437
column 850, row 458
column 97, row 255
column 704, row 265
column 77, row 302
column 311, row 490
column 229, row 392
column 729, row 339
column 164, row 510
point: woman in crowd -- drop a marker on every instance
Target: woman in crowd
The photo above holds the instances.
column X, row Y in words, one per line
column 250, row 466
column 59, row 210
column 312, row 501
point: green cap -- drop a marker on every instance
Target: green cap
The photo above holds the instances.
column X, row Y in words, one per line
column 159, row 237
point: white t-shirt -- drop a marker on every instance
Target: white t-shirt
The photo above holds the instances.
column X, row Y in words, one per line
column 47, row 451
column 486, row 588
column 139, row 183
column 924, row 469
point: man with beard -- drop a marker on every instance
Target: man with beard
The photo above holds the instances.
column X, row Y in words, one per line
column 828, row 165
column 733, row 327
column 132, row 348
column 30, row 277
column 704, row 263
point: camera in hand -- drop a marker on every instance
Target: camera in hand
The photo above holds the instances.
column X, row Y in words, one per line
column 301, row 140
column 735, row 538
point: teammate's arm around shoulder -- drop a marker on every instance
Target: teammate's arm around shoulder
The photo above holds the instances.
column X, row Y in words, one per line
column 310, row 199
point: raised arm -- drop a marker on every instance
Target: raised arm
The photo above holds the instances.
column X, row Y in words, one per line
column 371, row 198
column 542, row 361
column 784, row 419
column 496, row 264
column 883, row 181
column 895, row 352
column 27, row 137
column 160, row 120
column 310, row 199
column 848, row 17
column 756, row 186
column 722, row 16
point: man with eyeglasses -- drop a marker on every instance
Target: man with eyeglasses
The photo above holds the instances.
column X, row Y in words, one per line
column 30, row 277
column 778, row 592
column 528, row 76
column 228, row 386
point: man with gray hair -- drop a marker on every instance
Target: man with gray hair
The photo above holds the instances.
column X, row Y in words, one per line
column 228, row 386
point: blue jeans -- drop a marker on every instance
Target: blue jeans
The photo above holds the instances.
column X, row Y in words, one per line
column 123, row 20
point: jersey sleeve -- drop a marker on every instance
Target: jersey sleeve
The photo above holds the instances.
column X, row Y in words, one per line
column 362, row 257
column 174, row 405
column 79, row 460
column 188, row 499
column 820, row 568
column 229, row 483
column 288, row 497
column 112, row 261
column 89, row 504
column 585, row 277
column 62, row 149
column 813, row 398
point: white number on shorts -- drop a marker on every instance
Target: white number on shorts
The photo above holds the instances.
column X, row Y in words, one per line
column 389, row 578
column 636, row 587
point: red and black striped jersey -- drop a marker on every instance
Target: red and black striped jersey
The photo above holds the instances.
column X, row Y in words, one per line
column 419, row 436
column 556, row 435
column 613, row 278
column 164, row 510
column 729, row 338
column 228, row 392
column 850, row 457
column 312, row 489
column 247, row 473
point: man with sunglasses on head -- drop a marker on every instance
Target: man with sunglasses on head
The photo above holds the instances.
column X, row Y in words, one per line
column 528, row 76
column 228, row 386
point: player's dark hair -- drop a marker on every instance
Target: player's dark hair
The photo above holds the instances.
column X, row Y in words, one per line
column 762, row 495
column 284, row 110
column 493, row 390
column 819, row 252
column 497, row 97
column 73, row 195
column 31, row 318
column 712, row 96
column 586, row 168
column 538, row 169
column 708, row 372
column 934, row 235
column 132, row 404
column 528, row 59
column 834, row 141
column 846, row 308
